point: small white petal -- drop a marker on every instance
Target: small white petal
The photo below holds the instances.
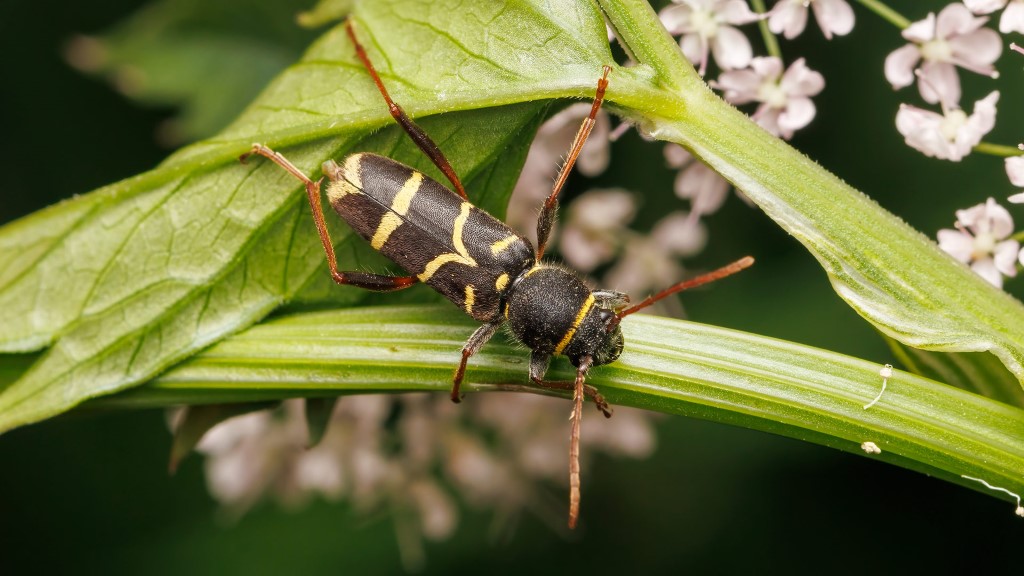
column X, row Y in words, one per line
column 767, row 67
column 731, row 48
column 736, row 12
column 788, row 18
column 695, row 49
column 1005, row 257
column 899, row 66
column 705, row 188
column 1012, row 19
column 675, row 18
column 676, row 156
column 977, row 50
column 921, row 31
column 956, row 243
column 799, row 80
column 798, row 113
column 1000, row 223
column 984, row 6
column 834, row 17
column 955, row 20
column 986, row 268
column 739, row 86
column 939, row 83
column 679, row 234
column 1017, row 198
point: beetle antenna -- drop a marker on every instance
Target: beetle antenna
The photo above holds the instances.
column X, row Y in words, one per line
column 727, row 270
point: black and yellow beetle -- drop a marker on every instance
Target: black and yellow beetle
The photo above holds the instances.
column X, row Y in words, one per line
column 476, row 261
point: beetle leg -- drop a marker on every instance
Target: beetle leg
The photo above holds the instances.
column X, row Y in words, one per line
column 365, row 280
column 550, row 208
column 539, row 366
column 415, row 132
column 473, row 345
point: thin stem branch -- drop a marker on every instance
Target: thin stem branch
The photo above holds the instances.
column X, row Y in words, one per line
column 771, row 43
column 1001, row 150
column 887, row 13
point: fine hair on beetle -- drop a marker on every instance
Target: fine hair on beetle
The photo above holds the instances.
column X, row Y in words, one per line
column 491, row 272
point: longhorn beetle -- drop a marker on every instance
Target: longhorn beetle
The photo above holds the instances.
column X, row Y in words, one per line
column 478, row 262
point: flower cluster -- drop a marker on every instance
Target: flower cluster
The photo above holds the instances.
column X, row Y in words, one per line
column 982, row 240
column 415, row 455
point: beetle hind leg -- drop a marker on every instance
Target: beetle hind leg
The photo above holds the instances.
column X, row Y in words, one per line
column 364, row 280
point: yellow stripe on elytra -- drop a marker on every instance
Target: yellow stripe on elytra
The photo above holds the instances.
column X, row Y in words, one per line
column 470, row 299
column 502, row 244
column 350, row 170
column 388, row 224
column 587, row 305
column 350, row 181
column 462, row 257
column 501, row 282
column 399, row 207
column 460, row 223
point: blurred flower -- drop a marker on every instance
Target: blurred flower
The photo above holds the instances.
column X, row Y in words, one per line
column 1015, row 172
column 1012, row 19
column 543, row 161
column 980, row 240
column 594, row 227
column 954, row 38
column 785, row 100
column 652, row 262
column 696, row 182
column 789, row 17
column 950, row 135
column 705, row 26
column 410, row 454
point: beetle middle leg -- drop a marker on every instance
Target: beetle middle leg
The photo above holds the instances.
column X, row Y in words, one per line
column 472, row 346
column 365, row 280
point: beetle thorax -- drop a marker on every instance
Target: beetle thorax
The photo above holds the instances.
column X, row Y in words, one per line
column 552, row 311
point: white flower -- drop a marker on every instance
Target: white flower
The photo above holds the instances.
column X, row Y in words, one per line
column 1012, row 19
column 954, row 38
column 652, row 262
column 785, row 100
column 415, row 464
column 543, row 160
column 705, row 25
column 696, row 182
column 950, row 135
column 789, row 17
column 979, row 240
column 1015, row 172
column 594, row 227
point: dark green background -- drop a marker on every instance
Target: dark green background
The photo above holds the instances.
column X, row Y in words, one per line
column 91, row 495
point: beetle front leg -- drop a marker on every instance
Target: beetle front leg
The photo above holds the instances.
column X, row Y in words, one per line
column 539, row 366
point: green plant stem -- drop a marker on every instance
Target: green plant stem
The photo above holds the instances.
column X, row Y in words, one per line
column 771, row 43
column 668, row 365
column 887, row 13
column 1000, row 150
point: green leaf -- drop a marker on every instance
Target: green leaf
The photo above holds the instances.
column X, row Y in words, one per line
column 668, row 365
column 206, row 58
column 143, row 273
